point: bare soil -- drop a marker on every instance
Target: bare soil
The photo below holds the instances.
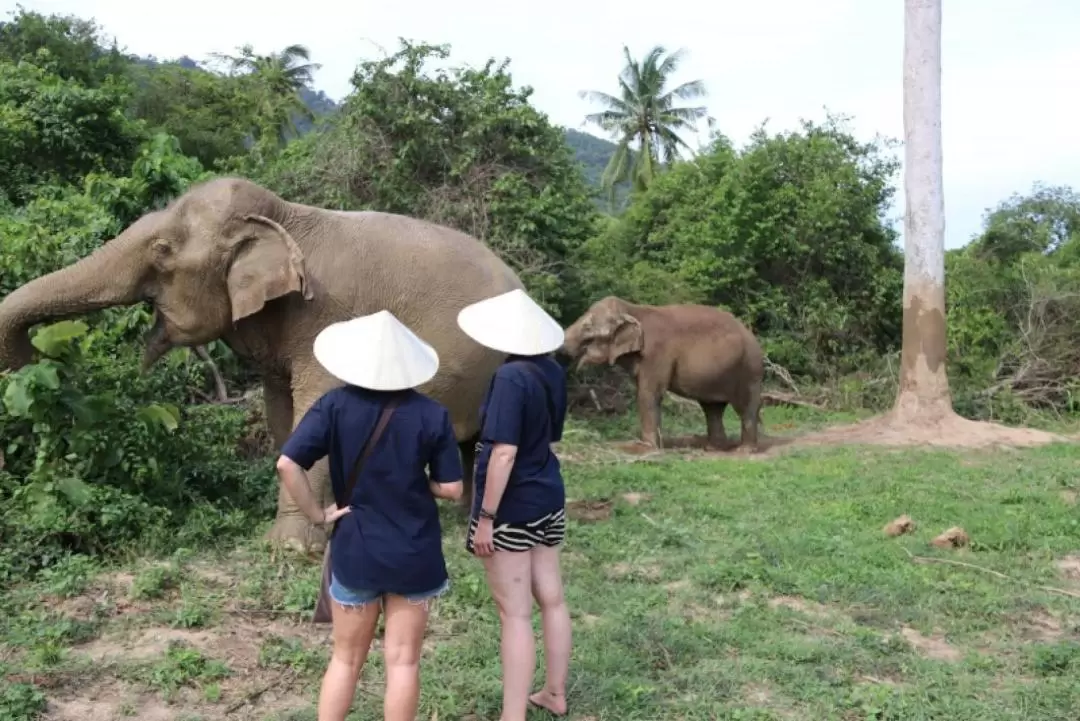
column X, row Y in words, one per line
column 941, row 429
column 933, row 429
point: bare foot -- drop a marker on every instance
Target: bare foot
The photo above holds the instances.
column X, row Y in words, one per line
column 553, row 703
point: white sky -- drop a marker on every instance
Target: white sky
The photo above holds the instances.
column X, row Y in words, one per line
column 1011, row 77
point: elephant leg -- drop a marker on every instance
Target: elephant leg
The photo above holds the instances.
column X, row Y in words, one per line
column 714, row 423
column 291, row 527
column 468, row 467
column 648, row 400
column 750, row 414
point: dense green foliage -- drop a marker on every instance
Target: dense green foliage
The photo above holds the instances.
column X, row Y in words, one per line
column 789, row 232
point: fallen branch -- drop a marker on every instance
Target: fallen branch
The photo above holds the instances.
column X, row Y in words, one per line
column 786, row 399
column 999, row 574
column 782, row 373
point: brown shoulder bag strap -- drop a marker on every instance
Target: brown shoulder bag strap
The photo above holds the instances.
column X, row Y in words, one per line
column 376, row 433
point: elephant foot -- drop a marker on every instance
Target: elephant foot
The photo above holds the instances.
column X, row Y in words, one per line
column 722, row 443
column 295, row 533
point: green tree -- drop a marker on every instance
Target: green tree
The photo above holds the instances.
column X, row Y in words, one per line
column 645, row 115
column 462, row 147
column 789, row 234
column 210, row 114
column 275, row 82
column 56, row 130
column 1047, row 220
column 63, row 45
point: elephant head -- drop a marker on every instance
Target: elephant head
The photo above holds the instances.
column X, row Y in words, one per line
column 215, row 255
column 607, row 331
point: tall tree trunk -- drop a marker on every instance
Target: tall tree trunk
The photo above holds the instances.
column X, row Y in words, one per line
column 924, row 385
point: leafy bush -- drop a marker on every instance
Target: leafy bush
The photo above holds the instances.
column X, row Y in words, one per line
column 99, row 457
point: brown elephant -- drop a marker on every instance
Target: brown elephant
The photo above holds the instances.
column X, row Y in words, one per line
column 697, row 352
column 231, row 260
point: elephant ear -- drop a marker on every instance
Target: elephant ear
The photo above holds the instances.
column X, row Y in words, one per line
column 628, row 338
column 268, row 264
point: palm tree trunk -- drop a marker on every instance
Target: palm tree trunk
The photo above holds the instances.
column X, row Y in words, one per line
column 924, row 384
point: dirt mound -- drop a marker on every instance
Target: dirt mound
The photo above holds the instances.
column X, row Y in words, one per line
column 938, row 430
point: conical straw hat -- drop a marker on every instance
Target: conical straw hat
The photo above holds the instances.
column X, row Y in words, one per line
column 376, row 351
column 512, row 323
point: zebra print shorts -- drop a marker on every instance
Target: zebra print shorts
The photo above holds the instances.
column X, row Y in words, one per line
column 548, row 530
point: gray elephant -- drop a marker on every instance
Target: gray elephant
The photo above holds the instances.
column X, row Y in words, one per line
column 231, row 260
column 697, row 352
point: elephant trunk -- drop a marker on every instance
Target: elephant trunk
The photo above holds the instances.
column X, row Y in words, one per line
column 572, row 345
column 107, row 277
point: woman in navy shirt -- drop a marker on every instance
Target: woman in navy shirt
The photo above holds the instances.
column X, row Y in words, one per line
column 518, row 513
column 386, row 550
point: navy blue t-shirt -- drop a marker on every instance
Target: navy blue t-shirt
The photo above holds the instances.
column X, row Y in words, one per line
column 515, row 411
column 391, row 542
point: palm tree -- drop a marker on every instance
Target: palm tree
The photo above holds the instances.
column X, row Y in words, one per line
column 278, row 79
column 645, row 114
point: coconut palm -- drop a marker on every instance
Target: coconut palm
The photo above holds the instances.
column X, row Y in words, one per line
column 645, row 114
column 277, row 80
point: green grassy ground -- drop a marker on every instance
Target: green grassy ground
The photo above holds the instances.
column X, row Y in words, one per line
column 700, row 587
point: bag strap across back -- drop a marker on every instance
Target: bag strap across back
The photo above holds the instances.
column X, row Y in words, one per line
column 376, row 433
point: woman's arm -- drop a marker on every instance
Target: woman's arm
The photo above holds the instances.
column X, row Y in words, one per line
column 308, row 443
column 296, row 483
column 450, row 491
column 498, row 475
column 445, row 472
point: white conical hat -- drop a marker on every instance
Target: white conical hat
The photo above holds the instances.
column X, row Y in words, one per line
column 511, row 323
column 376, row 351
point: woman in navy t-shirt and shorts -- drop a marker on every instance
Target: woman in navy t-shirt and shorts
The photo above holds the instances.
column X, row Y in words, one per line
column 386, row 550
column 518, row 514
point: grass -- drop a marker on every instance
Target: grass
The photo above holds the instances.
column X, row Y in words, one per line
column 700, row 588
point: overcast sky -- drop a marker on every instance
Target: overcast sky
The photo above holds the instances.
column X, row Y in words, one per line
column 1010, row 81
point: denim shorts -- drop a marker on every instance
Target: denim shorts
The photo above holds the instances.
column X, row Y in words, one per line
column 357, row 597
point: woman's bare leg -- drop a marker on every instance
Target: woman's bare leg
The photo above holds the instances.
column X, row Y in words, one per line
column 352, row 633
column 405, row 624
column 547, row 589
column 508, row 574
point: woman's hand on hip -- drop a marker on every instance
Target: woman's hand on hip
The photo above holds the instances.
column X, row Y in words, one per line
column 483, row 540
column 331, row 513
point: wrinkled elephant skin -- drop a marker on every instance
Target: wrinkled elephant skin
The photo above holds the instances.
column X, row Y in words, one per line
column 231, row 260
column 696, row 352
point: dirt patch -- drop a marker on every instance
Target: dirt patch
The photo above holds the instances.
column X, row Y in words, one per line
column 1069, row 497
column 108, row 701
column 237, row 641
column 679, row 585
column 935, row 428
column 212, row 574
column 635, row 498
column 729, row 447
column 590, row 511
column 1069, row 567
column 934, row 647
column 146, row 644
column 1042, row 627
column 647, row 571
column 810, row 608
